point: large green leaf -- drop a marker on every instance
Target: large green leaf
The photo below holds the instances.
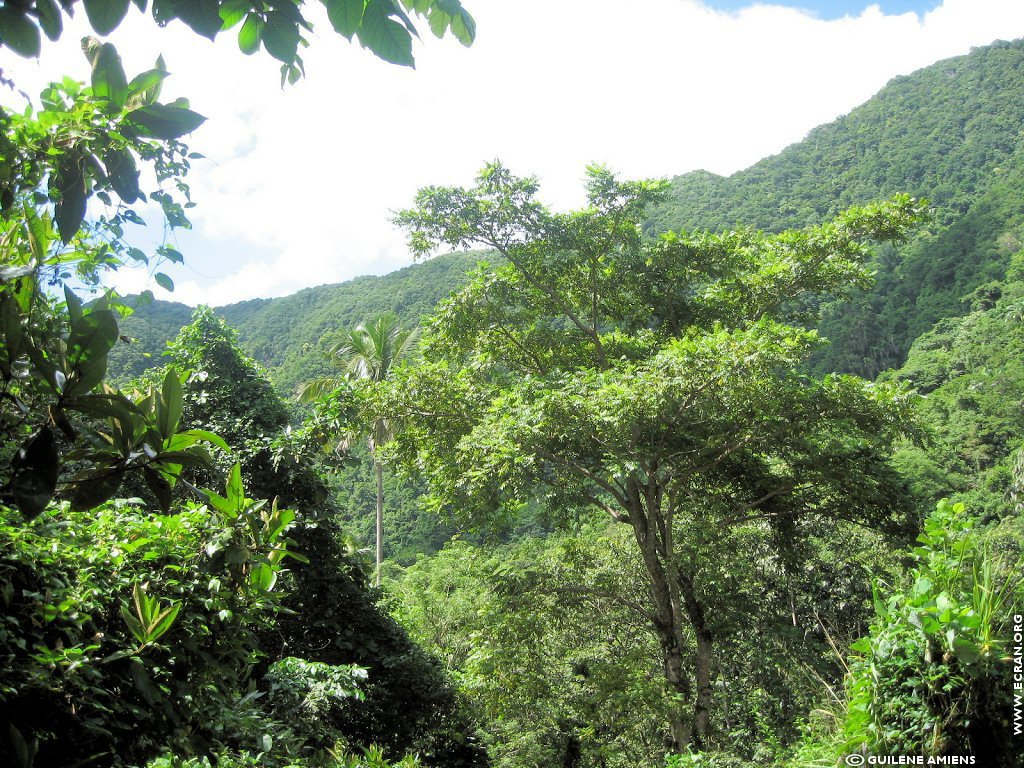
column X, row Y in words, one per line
column 34, row 473
column 146, row 81
column 18, row 33
column 50, row 18
column 69, row 210
column 39, row 234
column 88, row 491
column 281, row 37
column 163, row 121
column 233, row 11
column 250, row 33
column 464, row 27
column 386, row 37
column 108, row 79
column 105, row 15
column 172, row 398
column 345, row 15
column 203, row 16
column 123, row 175
column 190, row 436
column 89, row 343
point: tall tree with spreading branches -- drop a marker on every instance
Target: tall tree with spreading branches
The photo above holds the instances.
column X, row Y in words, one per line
column 659, row 381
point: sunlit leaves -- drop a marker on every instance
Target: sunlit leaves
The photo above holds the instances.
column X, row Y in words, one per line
column 164, row 121
column 108, row 78
column 250, row 33
column 386, row 37
column 382, row 26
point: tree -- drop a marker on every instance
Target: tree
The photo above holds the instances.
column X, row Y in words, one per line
column 370, row 352
column 657, row 381
column 83, row 144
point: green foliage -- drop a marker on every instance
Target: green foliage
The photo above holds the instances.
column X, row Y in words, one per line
column 124, row 632
column 409, row 530
column 932, row 677
column 551, row 641
column 548, row 641
column 971, row 372
column 656, row 381
column 330, row 617
column 381, row 26
column 371, row 757
column 288, row 334
column 226, row 392
column 948, row 133
column 368, row 354
column 82, row 145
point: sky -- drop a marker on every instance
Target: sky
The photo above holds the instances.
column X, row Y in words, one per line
column 300, row 183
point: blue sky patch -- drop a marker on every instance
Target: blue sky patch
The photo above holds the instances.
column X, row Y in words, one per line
column 834, row 9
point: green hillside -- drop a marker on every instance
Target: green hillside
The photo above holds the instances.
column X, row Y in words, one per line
column 950, row 133
column 286, row 334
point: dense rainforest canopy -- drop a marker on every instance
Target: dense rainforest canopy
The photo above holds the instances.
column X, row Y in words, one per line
column 712, row 472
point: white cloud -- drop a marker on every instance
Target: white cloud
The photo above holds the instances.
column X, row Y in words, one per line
column 302, row 180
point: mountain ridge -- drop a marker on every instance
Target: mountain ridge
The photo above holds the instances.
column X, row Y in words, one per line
column 950, row 132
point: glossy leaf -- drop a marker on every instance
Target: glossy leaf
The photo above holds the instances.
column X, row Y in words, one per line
column 34, row 473
column 250, row 33
column 147, row 81
column 18, row 33
column 345, row 15
column 105, row 15
column 163, row 121
column 386, row 37
column 50, row 18
column 281, row 37
column 108, row 77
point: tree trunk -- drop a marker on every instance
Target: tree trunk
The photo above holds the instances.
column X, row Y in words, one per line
column 379, row 472
column 703, row 661
column 676, row 605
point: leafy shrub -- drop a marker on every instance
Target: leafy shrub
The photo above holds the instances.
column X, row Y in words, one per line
column 124, row 632
column 932, row 677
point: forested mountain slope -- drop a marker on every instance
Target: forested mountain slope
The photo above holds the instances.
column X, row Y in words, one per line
column 285, row 334
column 950, row 133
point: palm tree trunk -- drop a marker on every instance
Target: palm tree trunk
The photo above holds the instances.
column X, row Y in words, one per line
column 379, row 471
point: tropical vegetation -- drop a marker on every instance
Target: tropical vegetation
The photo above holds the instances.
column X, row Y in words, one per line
column 709, row 472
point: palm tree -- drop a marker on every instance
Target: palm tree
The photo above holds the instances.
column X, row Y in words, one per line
column 369, row 352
